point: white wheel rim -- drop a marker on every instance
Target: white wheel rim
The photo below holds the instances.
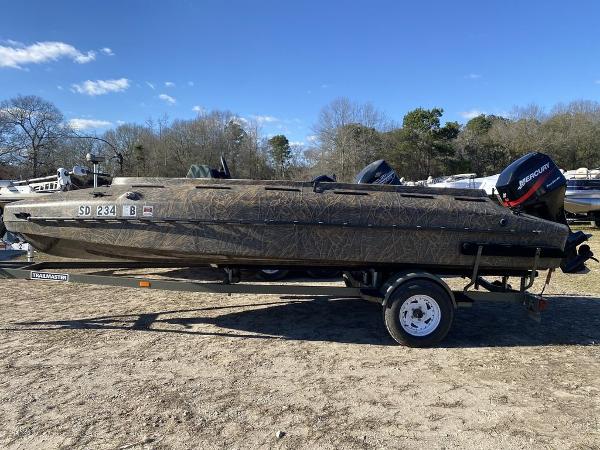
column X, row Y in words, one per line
column 420, row 315
column 270, row 271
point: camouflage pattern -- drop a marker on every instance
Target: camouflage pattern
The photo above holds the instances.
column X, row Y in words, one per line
column 279, row 222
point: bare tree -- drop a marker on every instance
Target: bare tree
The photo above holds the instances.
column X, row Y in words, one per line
column 158, row 128
column 121, row 145
column 30, row 130
column 334, row 117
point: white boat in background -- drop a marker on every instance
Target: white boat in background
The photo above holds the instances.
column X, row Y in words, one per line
column 583, row 173
column 467, row 181
column 582, row 197
column 15, row 190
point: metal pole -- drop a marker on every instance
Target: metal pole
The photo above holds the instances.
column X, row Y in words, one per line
column 95, row 160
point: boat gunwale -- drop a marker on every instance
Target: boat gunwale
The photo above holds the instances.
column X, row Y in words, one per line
column 177, row 220
column 318, row 187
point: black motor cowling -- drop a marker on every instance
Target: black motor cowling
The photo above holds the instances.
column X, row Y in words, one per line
column 378, row 172
column 534, row 185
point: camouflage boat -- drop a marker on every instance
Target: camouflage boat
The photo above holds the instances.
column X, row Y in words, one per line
column 310, row 224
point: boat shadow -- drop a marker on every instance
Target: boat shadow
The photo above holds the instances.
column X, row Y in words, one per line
column 568, row 321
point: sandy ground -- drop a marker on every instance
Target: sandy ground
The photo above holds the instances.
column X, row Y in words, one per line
column 94, row 367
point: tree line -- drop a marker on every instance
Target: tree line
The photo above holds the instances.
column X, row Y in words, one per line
column 35, row 139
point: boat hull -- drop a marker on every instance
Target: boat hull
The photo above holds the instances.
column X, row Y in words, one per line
column 241, row 222
column 582, row 202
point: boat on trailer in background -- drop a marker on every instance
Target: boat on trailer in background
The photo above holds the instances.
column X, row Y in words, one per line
column 467, row 181
column 16, row 190
column 394, row 242
column 582, row 197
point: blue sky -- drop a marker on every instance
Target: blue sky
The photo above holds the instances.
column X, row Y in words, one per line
column 281, row 61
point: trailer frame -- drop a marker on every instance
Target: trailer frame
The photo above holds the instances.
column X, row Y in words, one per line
column 373, row 288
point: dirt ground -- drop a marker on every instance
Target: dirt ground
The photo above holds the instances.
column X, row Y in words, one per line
column 108, row 368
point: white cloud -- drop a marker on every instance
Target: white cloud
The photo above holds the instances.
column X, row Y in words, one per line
column 597, row 81
column 312, row 138
column 199, row 109
column 120, row 122
column 150, row 85
column 16, row 55
column 265, row 119
column 169, row 84
column 471, row 114
column 101, row 87
column 83, row 59
column 167, row 98
column 87, row 124
column 324, row 86
column 473, row 76
column 107, row 51
column 59, row 87
column 296, row 143
column 191, row 83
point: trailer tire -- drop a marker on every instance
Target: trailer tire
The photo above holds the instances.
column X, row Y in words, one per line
column 272, row 274
column 596, row 220
column 418, row 313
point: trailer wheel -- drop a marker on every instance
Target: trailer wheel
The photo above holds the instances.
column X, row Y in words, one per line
column 418, row 313
column 596, row 220
column 272, row 274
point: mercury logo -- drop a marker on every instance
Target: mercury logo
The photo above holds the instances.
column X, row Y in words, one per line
column 533, row 175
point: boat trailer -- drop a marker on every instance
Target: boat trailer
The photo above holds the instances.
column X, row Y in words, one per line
column 418, row 306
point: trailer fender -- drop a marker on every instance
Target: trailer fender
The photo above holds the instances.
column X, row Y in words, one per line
column 399, row 278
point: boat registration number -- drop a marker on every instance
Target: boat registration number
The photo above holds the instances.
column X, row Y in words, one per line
column 106, row 210
column 101, row 211
column 109, row 211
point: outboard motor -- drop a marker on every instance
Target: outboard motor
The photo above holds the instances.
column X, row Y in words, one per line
column 534, row 185
column 378, row 172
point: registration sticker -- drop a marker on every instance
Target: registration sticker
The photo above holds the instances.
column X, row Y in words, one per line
column 84, row 211
column 49, row 276
column 106, row 210
column 148, row 211
column 129, row 210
